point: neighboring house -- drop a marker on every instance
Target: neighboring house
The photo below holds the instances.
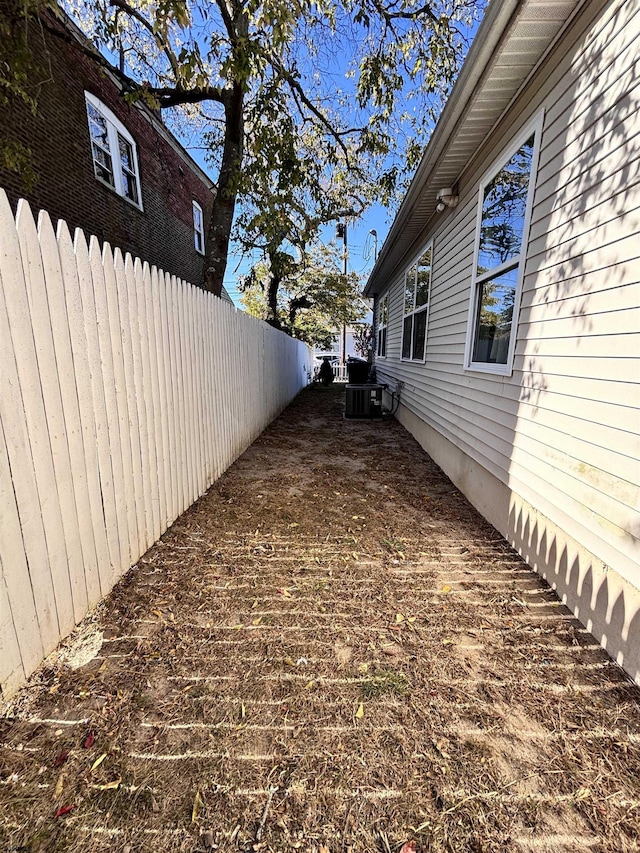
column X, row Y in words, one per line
column 507, row 306
column 101, row 164
column 350, row 331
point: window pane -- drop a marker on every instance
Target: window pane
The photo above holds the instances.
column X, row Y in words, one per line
column 424, row 277
column 98, row 126
column 197, row 218
column 130, row 186
column 503, row 209
column 493, row 318
column 383, row 311
column 406, row 337
column 419, row 334
column 382, row 342
column 409, row 289
column 102, row 165
column 126, row 154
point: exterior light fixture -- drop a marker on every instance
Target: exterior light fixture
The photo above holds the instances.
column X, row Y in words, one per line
column 447, row 197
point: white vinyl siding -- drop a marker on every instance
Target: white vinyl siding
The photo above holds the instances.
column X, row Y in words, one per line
column 561, row 430
column 114, row 151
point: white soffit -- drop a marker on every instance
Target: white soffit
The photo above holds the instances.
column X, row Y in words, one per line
column 510, row 42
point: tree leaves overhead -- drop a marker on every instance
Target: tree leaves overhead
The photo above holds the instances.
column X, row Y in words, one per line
column 312, row 298
column 297, row 100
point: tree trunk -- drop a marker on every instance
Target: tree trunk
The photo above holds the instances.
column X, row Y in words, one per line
column 272, row 301
column 224, row 202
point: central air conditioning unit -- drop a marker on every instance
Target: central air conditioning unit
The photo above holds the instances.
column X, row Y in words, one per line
column 363, row 401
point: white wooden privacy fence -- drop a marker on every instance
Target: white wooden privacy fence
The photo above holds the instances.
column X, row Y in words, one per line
column 125, row 393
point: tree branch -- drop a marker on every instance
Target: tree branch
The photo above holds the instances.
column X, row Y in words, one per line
column 297, row 88
column 166, row 95
column 160, row 41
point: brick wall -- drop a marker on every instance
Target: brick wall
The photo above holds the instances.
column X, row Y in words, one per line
column 65, row 185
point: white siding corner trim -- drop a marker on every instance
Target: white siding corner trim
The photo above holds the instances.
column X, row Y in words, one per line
column 532, row 128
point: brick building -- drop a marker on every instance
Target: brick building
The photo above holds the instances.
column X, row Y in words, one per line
column 108, row 167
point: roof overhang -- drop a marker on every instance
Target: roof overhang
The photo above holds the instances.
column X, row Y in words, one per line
column 511, row 42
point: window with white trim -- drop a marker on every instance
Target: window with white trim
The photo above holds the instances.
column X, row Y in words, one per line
column 198, row 228
column 417, row 288
column 114, row 152
column 504, row 208
column 383, row 318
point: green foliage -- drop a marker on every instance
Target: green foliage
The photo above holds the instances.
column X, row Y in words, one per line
column 23, row 69
column 363, row 339
column 314, row 297
column 297, row 102
column 384, row 682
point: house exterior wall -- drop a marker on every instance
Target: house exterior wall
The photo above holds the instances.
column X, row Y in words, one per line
column 65, row 184
column 550, row 453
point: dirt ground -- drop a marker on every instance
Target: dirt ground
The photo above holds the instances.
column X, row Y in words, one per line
column 330, row 652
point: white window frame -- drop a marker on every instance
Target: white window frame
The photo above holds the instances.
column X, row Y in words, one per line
column 420, row 309
column 115, row 127
column 198, row 232
column 383, row 302
column 534, row 127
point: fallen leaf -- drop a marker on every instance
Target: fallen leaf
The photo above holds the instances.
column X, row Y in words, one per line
column 285, row 592
column 64, row 810
column 197, row 805
column 411, row 619
column 59, row 786
column 103, row 666
column 243, row 711
column 360, row 712
column 110, row 786
column 408, row 847
column 98, row 761
column 157, row 613
column 89, row 740
column 60, row 760
column 399, row 618
column 447, row 642
column 446, row 588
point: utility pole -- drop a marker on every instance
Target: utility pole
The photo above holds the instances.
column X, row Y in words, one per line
column 341, row 231
column 374, row 234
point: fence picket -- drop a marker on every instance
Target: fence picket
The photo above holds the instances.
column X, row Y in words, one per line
column 126, row 393
column 87, row 488
column 97, row 438
column 151, row 368
column 103, row 288
column 13, row 627
column 41, row 395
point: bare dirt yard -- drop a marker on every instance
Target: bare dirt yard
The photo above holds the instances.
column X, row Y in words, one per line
column 330, row 652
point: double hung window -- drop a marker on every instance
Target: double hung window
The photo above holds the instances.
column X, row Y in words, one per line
column 115, row 157
column 198, row 228
column 383, row 318
column 417, row 287
column 503, row 220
